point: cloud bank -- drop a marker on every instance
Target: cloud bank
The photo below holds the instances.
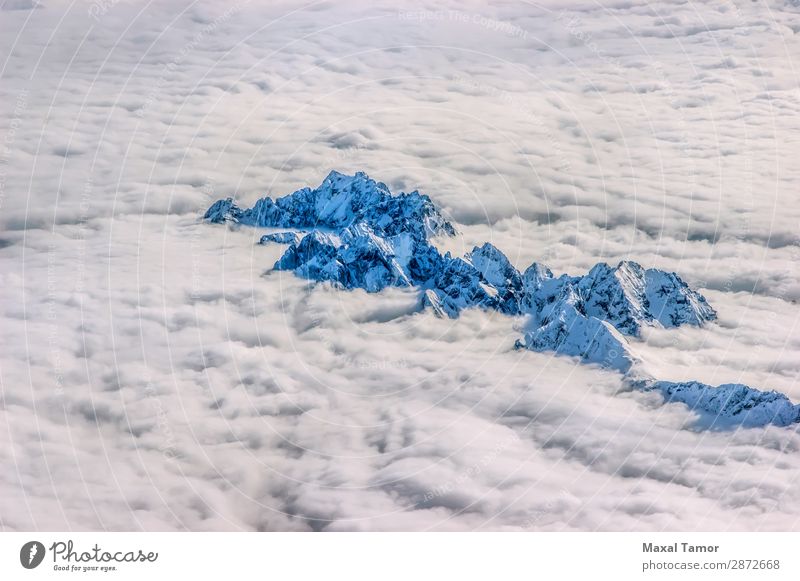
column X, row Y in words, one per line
column 154, row 378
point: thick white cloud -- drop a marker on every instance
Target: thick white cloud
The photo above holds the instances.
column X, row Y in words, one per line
column 154, row 377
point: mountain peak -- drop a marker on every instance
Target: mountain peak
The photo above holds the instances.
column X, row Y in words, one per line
column 339, row 202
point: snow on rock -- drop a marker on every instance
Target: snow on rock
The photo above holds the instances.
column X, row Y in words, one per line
column 362, row 236
column 629, row 296
column 484, row 278
column 570, row 332
column 339, row 202
column 223, row 211
column 359, row 258
column 458, row 286
column 496, row 271
column 672, row 303
column 731, row 403
column 616, row 295
column 315, row 257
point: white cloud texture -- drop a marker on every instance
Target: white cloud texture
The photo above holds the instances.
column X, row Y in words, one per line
column 155, row 377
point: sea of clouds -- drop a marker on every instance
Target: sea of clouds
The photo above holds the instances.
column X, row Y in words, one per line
column 155, row 376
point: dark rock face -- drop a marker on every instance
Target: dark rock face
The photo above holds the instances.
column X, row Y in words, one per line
column 280, row 238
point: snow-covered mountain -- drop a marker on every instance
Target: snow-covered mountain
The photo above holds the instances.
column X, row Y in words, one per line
column 358, row 235
column 338, row 203
column 731, row 403
column 483, row 278
column 630, row 296
column 357, row 257
column 569, row 331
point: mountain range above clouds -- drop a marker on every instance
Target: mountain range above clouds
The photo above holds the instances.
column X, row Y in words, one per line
column 352, row 232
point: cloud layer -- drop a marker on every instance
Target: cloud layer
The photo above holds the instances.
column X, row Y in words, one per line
column 154, row 377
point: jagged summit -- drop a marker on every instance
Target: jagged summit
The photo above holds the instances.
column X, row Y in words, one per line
column 483, row 278
column 338, row 203
column 359, row 258
column 730, row 404
column 359, row 235
column 630, row 296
